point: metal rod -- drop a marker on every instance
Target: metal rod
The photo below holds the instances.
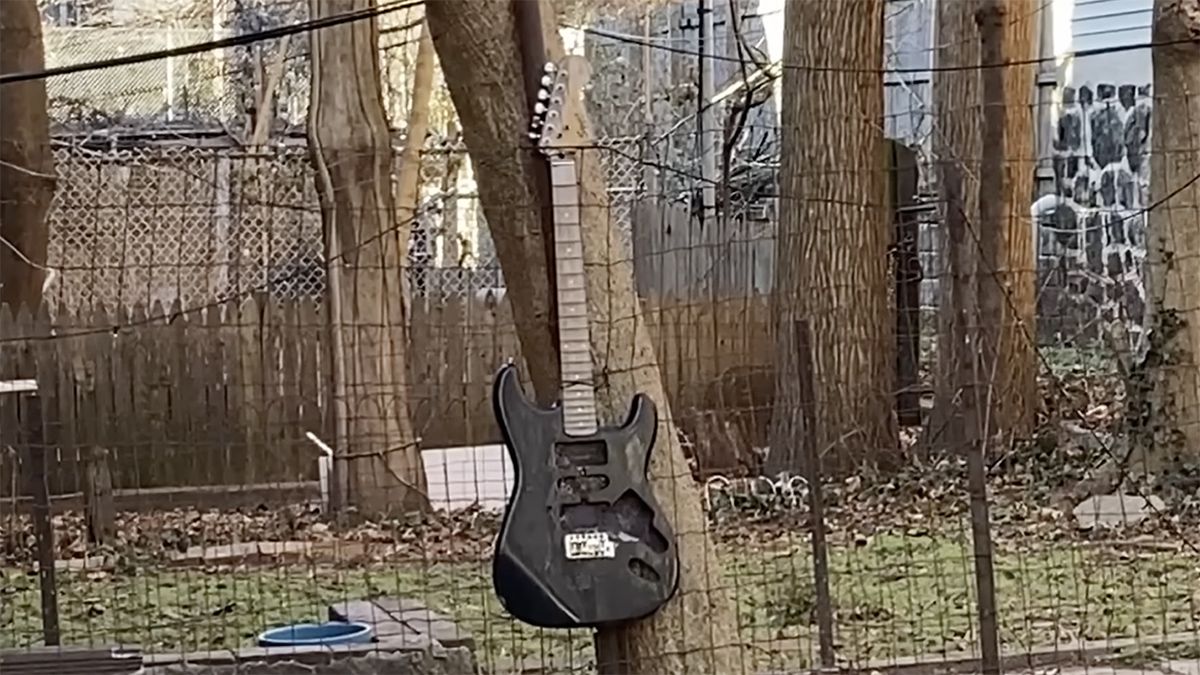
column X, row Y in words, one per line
column 985, row 581
column 990, row 20
column 708, row 113
column 649, row 182
column 816, row 495
column 35, row 460
column 527, row 15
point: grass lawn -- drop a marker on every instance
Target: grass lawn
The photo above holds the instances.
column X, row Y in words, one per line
column 894, row 596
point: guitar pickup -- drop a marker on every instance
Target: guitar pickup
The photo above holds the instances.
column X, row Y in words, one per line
column 579, row 487
column 586, row 453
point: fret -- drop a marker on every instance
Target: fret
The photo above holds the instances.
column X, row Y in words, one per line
column 567, row 216
column 572, row 298
column 577, row 356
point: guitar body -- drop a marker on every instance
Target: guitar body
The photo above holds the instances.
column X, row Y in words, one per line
column 589, row 494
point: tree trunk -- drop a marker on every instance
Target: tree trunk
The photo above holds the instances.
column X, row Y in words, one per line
column 476, row 43
column 409, row 180
column 452, row 251
column 834, row 233
column 27, row 178
column 1011, row 351
column 351, row 150
column 1169, row 434
column 956, row 145
column 987, row 310
column 473, row 42
column 408, row 183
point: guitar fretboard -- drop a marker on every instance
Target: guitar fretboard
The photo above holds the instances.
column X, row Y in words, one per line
column 574, row 341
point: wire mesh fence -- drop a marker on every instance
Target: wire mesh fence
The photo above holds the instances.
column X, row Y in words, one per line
column 185, row 355
column 200, row 464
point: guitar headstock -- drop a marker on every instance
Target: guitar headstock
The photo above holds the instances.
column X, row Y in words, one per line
column 558, row 98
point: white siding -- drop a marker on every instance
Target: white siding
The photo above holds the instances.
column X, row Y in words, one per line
column 908, row 46
column 1098, row 24
column 1101, row 24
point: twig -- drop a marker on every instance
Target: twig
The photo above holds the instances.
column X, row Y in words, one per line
column 27, row 171
column 380, row 453
column 383, row 455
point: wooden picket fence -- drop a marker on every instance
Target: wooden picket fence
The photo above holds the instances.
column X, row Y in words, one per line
column 224, row 395
column 217, row 396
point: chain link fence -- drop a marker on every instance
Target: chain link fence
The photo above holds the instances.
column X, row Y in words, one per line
column 172, row 223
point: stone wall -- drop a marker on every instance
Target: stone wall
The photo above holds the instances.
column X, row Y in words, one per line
column 1093, row 230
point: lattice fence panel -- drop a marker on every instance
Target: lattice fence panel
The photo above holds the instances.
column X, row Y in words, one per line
column 624, row 166
column 130, row 227
column 276, row 240
column 195, row 225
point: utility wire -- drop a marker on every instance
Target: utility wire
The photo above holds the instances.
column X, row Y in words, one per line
column 397, row 5
column 213, row 45
column 1083, row 53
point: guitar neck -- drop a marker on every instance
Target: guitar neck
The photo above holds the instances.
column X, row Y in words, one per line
column 574, row 340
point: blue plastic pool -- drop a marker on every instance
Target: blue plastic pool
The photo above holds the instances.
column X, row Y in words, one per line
column 305, row 634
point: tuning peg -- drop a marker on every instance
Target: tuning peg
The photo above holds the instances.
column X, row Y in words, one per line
column 547, row 81
column 550, row 67
column 543, row 94
column 534, row 135
column 539, row 108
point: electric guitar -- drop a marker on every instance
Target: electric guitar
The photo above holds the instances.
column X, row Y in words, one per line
column 583, row 542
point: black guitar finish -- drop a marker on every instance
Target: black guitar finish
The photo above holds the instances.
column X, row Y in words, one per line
column 567, row 484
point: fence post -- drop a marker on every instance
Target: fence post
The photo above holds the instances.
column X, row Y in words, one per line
column 816, row 496
column 35, row 463
column 907, row 278
column 990, row 19
column 98, row 496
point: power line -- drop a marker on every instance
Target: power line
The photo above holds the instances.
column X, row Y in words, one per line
column 213, row 45
column 349, row 17
column 1083, row 53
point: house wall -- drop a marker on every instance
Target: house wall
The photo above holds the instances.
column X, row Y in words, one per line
column 1092, row 229
column 1093, row 120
